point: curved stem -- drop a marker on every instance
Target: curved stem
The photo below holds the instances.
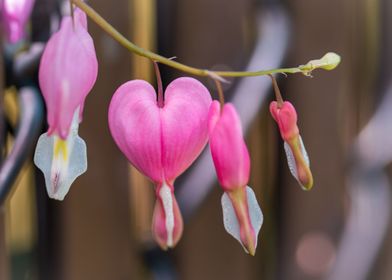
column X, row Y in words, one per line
column 278, row 95
column 108, row 28
column 220, row 93
column 160, row 98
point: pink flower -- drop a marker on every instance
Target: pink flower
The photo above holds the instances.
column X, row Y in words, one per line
column 297, row 157
column 161, row 140
column 15, row 14
column 241, row 213
column 67, row 73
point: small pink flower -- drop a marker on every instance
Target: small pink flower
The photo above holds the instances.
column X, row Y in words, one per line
column 241, row 213
column 161, row 140
column 67, row 73
column 297, row 157
column 15, row 14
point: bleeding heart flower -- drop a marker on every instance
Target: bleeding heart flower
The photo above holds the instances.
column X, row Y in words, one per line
column 242, row 215
column 15, row 14
column 297, row 158
column 161, row 139
column 67, row 73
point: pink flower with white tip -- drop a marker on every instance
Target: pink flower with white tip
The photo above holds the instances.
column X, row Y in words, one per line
column 242, row 215
column 161, row 136
column 286, row 117
column 15, row 14
column 67, row 73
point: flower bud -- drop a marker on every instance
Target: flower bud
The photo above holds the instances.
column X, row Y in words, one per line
column 297, row 157
column 242, row 216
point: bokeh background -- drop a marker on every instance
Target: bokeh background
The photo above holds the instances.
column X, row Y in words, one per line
column 339, row 230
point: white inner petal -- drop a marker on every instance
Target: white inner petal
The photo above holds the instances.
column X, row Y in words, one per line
column 230, row 220
column 291, row 159
column 166, row 197
column 61, row 161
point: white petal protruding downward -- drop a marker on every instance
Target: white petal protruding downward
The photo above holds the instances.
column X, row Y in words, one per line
column 167, row 201
column 230, row 220
column 291, row 159
column 61, row 161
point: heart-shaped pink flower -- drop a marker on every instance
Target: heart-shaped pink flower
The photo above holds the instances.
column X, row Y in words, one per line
column 161, row 141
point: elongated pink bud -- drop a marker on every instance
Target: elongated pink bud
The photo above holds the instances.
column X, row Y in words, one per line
column 297, row 157
column 242, row 215
column 67, row 72
column 15, row 14
column 228, row 149
column 286, row 117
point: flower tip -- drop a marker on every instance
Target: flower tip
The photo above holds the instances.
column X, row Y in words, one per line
column 328, row 62
column 61, row 162
column 299, row 163
column 306, row 182
column 242, row 217
column 331, row 60
column 167, row 223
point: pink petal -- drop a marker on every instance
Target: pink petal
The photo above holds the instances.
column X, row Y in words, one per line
column 286, row 117
column 228, row 149
column 184, row 125
column 67, row 73
column 160, row 142
column 134, row 121
column 15, row 14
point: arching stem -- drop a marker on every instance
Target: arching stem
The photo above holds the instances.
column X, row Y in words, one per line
column 220, row 93
column 108, row 28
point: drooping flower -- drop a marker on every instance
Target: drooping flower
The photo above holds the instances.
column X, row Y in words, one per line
column 67, row 73
column 161, row 138
column 242, row 215
column 15, row 14
column 286, row 117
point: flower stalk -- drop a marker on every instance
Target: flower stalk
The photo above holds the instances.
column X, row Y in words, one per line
column 328, row 62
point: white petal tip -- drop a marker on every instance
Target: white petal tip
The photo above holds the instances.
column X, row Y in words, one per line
column 230, row 219
column 60, row 169
column 291, row 160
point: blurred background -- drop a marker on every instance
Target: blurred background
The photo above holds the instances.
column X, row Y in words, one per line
column 340, row 230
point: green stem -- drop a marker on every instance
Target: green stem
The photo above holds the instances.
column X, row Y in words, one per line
column 108, row 28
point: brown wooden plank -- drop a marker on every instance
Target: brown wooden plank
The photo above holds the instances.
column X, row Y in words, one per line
column 96, row 241
column 4, row 263
column 327, row 107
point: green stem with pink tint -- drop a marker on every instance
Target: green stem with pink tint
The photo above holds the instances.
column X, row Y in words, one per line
column 328, row 62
